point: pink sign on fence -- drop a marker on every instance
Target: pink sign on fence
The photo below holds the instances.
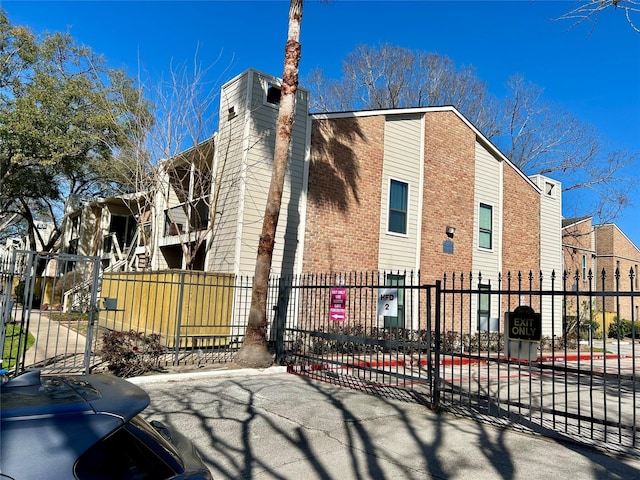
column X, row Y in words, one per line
column 337, row 309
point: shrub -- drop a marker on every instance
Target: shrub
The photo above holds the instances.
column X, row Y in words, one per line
column 622, row 328
column 131, row 353
column 485, row 342
column 356, row 339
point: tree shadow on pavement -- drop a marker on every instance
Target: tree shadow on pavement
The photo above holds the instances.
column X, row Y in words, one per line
column 285, row 427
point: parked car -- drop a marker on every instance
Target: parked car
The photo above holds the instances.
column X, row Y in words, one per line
column 87, row 427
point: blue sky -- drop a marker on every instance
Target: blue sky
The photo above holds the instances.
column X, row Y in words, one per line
column 590, row 70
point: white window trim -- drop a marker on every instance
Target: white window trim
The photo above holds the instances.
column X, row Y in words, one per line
column 388, row 208
column 493, row 227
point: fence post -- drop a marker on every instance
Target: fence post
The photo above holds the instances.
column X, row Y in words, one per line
column 176, row 357
column 93, row 309
column 435, row 385
column 281, row 314
column 27, row 304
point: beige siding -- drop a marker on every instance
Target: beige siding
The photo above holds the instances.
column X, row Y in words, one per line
column 550, row 250
column 488, row 190
column 402, row 161
column 550, row 228
column 229, row 171
column 261, row 141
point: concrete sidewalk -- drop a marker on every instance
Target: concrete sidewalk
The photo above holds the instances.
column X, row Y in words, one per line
column 269, row 424
column 55, row 343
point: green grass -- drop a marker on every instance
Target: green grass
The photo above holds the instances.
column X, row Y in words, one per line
column 599, row 350
column 10, row 350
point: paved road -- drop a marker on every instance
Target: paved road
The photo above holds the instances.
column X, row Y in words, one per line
column 273, row 425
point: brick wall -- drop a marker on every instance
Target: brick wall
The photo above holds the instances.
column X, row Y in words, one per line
column 577, row 242
column 448, row 195
column 520, row 225
column 343, row 209
column 616, row 251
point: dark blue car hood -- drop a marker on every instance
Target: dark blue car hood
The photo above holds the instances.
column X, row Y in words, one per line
column 56, row 419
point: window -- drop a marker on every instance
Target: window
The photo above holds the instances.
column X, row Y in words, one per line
column 484, row 309
column 584, row 268
column 392, row 280
column 125, row 228
column 485, row 234
column 635, row 268
column 398, row 199
column 273, row 95
column 75, row 226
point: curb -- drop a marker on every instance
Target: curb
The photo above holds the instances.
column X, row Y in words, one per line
column 223, row 372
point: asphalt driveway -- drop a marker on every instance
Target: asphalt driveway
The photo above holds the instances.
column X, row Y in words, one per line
column 273, row 425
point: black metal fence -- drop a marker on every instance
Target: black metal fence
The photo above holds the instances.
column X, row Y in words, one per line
column 459, row 345
column 566, row 367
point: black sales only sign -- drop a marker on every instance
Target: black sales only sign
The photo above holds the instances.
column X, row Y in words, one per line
column 524, row 324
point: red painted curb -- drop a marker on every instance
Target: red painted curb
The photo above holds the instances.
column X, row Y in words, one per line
column 423, row 362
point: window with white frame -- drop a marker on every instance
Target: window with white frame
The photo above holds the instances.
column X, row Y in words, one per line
column 485, row 226
column 398, row 203
column 584, row 268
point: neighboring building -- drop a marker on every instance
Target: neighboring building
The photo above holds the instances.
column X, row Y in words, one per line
column 183, row 216
column 579, row 252
column 43, row 235
column 104, row 227
column 602, row 258
column 6, row 251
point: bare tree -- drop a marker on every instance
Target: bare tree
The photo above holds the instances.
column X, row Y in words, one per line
column 590, row 10
column 253, row 352
column 541, row 139
column 535, row 134
column 394, row 77
column 171, row 165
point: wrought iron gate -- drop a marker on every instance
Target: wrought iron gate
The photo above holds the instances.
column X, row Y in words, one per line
column 445, row 347
column 48, row 306
column 339, row 328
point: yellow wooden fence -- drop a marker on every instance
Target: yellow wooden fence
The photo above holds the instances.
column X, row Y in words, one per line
column 183, row 307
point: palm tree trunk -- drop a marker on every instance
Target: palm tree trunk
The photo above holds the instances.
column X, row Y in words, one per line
column 253, row 352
